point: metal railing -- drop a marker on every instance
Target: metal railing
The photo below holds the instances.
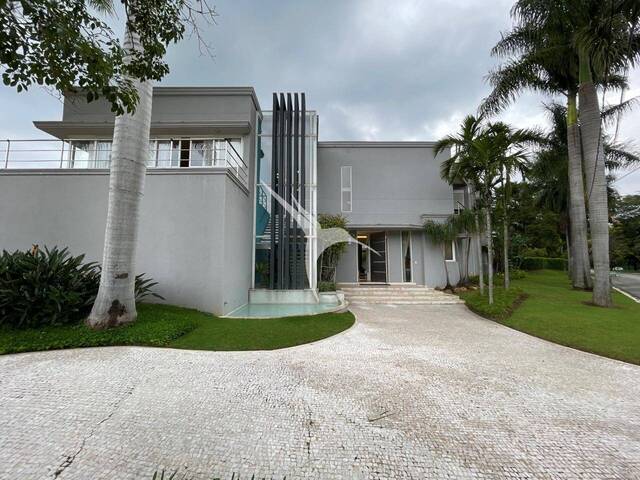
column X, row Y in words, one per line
column 41, row 154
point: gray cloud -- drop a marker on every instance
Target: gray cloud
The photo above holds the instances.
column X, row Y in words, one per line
column 373, row 69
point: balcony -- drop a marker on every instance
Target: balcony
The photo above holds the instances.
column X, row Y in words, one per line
column 164, row 153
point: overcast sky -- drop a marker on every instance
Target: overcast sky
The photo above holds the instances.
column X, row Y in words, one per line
column 373, row 69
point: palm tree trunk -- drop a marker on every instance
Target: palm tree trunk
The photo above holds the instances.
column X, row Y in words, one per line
column 569, row 256
column 505, row 233
column 115, row 303
column 490, row 252
column 596, row 182
column 479, row 254
column 581, row 271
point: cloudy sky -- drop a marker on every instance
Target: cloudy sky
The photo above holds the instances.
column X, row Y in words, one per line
column 373, row 69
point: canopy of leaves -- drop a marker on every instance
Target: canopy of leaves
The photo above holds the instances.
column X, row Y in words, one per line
column 66, row 45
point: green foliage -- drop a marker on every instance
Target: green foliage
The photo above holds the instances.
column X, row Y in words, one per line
column 543, row 263
column 553, row 310
column 625, row 233
column 45, row 287
column 157, row 325
column 326, row 286
column 52, row 287
column 504, row 302
column 63, row 44
column 331, row 255
column 169, row 326
column 514, row 274
column 144, row 288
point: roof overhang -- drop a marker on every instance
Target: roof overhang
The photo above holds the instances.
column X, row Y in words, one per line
column 67, row 130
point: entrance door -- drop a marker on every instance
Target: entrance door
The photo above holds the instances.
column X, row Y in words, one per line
column 378, row 242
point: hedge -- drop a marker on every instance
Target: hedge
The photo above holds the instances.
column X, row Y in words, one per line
column 544, row 263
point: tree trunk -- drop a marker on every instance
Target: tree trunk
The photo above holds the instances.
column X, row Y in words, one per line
column 596, row 183
column 581, row 270
column 569, row 256
column 505, row 233
column 479, row 253
column 490, row 254
column 115, row 303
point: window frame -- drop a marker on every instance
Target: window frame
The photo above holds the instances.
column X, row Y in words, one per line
column 453, row 252
column 343, row 189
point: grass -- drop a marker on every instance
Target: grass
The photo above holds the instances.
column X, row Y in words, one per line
column 544, row 305
column 168, row 326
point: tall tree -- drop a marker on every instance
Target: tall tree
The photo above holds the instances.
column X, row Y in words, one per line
column 599, row 39
column 150, row 25
column 66, row 45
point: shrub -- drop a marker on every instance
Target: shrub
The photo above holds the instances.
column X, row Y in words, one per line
column 326, row 286
column 51, row 287
column 544, row 263
column 45, row 287
column 514, row 274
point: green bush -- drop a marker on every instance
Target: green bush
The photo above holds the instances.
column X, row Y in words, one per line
column 326, row 286
column 51, row 287
column 544, row 263
column 514, row 274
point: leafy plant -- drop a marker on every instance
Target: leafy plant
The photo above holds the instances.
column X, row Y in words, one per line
column 144, row 288
column 45, row 286
column 326, row 286
column 331, row 255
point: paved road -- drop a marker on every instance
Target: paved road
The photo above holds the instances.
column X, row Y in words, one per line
column 409, row 392
column 628, row 282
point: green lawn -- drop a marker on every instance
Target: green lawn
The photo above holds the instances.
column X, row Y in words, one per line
column 545, row 305
column 169, row 326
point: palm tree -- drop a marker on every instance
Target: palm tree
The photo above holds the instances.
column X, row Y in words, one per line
column 459, row 168
column 115, row 303
column 548, row 174
column 601, row 38
column 545, row 63
column 475, row 150
column 510, row 158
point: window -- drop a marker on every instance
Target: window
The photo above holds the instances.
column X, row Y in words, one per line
column 90, row 153
column 450, row 252
column 345, row 189
column 458, row 201
column 406, row 256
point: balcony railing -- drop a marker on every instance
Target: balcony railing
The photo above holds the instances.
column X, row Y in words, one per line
column 96, row 154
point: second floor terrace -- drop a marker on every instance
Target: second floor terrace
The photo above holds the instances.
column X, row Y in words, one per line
column 95, row 153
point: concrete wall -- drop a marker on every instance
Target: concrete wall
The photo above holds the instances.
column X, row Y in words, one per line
column 174, row 105
column 195, row 227
column 394, row 183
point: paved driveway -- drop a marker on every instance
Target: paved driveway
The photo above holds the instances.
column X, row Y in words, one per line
column 409, row 392
column 628, row 282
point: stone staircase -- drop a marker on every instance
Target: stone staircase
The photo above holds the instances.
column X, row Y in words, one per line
column 400, row 294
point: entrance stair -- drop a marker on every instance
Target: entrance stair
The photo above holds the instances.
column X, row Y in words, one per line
column 398, row 294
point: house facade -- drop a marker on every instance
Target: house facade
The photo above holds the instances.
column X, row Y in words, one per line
column 231, row 197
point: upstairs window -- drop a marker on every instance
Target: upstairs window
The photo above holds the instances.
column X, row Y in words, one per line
column 458, row 201
column 345, row 189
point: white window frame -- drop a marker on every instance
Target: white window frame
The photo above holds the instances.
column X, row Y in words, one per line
column 410, row 255
column 453, row 252
column 344, row 189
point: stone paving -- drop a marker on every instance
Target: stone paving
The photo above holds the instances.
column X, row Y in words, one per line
column 409, row 392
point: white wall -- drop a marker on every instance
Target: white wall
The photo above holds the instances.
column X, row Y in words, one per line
column 195, row 228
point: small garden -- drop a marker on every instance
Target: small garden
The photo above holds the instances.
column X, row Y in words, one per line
column 45, row 295
column 542, row 303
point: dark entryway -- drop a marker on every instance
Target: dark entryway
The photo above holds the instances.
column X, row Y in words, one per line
column 378, row 242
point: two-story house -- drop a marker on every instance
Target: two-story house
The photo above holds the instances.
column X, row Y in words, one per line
column 211, row 230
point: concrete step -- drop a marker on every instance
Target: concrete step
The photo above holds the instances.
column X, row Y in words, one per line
column 386, row 289
column 387, row 293
column 454, row 301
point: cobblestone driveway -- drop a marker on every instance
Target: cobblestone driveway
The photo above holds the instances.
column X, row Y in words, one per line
column 409, row 392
